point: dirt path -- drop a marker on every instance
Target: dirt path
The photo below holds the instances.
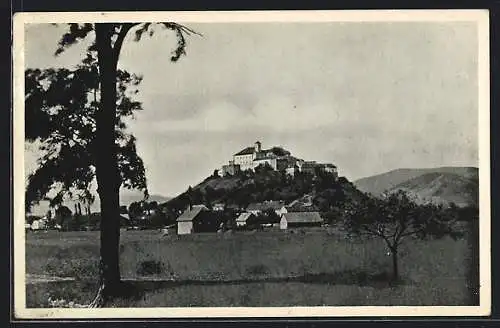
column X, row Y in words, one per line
column 40, row 278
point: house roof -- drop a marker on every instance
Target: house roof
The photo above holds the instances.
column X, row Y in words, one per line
column 273, row 204
column 306, row 201
column 302, row 217
column 192, row 213
column 246, row 151
column 243, row 217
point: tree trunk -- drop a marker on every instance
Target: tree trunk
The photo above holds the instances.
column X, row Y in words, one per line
column 107, row 173
column 395, row 269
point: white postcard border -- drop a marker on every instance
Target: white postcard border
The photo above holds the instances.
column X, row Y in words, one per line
column 479, row 16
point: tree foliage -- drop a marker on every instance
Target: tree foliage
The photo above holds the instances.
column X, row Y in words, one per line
column 78, row 32
column 61, row 106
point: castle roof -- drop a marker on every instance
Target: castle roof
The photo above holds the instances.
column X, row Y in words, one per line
column 246, row 151
column 276, row 151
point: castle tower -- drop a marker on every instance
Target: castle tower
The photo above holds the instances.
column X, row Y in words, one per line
column 258, row 146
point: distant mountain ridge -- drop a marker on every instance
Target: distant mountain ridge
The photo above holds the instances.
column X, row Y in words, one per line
column 440, row 185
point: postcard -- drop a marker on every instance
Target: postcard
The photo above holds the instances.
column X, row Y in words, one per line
column 251, row 164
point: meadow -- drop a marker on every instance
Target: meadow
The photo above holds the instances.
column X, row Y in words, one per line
column 272, row 268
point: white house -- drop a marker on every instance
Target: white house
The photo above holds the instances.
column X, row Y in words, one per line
column 243, row 219
column 185, row 220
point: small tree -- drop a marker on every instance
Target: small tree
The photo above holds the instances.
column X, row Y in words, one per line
column 396, row 217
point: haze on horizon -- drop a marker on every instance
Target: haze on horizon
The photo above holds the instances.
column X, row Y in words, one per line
column 368, row 97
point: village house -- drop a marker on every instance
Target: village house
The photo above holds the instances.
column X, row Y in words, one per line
column 300, row 219
column 257, row 208
column 186, row 221
column 303, row 204
column 243, row 219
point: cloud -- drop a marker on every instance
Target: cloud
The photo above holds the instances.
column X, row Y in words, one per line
column 369, row 97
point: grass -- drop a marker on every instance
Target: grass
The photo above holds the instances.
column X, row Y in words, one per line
column 254, row 269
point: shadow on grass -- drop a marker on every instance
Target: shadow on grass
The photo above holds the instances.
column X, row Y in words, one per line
column 138, row 289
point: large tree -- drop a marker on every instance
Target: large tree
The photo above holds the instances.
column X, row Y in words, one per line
column 106, row 45
column 61, row 107
column 396, row 217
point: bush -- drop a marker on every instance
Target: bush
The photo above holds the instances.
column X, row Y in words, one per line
column 150, row 267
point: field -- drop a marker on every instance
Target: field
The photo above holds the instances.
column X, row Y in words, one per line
column 274, row 268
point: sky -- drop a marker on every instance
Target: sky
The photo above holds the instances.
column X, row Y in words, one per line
column 368, row 97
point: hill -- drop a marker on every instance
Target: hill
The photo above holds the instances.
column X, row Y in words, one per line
column 322, row 192
column 377, row 184
column 442, row 185
column 129, row 198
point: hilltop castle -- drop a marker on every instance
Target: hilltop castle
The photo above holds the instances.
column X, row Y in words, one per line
column 278, row 158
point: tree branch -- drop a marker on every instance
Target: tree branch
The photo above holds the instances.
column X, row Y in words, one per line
column 376, row 233
column 409, row 233
column 119, row 41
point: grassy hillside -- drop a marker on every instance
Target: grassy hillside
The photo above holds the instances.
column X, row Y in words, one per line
column 327, row 193
column 377, row 184
column 442, row 188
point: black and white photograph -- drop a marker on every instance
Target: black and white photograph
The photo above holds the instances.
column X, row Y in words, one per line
column 256, row 164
